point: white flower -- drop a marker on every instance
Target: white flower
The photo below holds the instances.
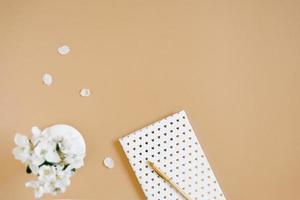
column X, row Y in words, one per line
column 47, row 151
column 62, row 171
column 62, row 183
column 23, row 150
column 34, row 168
column 52, row 155
column 49, row 187
column 63, row 178
column 36, row 135
column 37, row 186
column 66, row 146
column 69, row 139
column 74, row 161
column 36, row 160
column 70, row 143
column 47, row 173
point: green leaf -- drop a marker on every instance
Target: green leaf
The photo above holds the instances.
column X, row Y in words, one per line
column 28, row 170
column 46, row 163
column 65, row 167
column 57, row 147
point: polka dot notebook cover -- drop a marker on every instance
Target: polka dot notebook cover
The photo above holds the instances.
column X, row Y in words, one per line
column 173, row 147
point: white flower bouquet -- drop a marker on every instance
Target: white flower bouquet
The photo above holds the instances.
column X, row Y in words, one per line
column 53, row 155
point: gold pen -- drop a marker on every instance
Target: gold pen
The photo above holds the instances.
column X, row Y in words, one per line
column 169, row 180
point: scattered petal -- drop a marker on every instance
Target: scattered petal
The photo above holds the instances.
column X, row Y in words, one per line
column 85, row 92
column 108, row 162
column 47, row 79
column 63, row 50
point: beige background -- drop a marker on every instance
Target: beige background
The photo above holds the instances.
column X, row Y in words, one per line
column 232, row 65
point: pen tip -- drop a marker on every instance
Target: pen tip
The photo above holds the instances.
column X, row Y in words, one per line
column 150, row 163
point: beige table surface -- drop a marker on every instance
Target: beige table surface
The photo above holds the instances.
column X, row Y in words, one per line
column 232, row 65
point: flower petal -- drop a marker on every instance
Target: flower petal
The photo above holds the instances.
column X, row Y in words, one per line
column 32, row 184
column 53, row 157
column 21, row 140
column 37, row 160
column 38, row 192
column 21, row 154
column 34, row 168
column 36, row 132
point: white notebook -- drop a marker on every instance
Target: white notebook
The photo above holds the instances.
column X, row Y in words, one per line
column 173, row 147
